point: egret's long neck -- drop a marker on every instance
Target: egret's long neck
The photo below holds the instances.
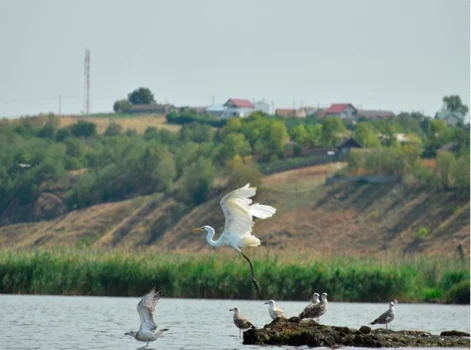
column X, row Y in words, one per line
column 210, row 235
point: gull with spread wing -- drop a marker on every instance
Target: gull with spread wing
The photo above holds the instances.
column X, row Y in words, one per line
column 148, row 331
column 239, row 212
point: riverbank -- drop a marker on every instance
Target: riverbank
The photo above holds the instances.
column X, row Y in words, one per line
column 297, row 333
column 223, row 274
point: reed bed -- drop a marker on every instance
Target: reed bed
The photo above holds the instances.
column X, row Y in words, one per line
column 189, row 275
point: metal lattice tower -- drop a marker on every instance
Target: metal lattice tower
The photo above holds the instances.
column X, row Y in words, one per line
column 86, row 102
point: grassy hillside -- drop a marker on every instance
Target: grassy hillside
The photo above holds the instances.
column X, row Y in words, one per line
column 312, row 218
column 138, row 123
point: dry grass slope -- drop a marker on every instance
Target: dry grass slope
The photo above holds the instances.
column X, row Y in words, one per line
column 311, row 219
column 139, row 123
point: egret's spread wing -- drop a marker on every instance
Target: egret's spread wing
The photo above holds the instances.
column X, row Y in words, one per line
column 145, row 308
column 238, row 210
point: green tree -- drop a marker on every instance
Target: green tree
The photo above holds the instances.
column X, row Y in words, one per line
column 332, row 130
column 141, row 96
column 278, row 136
column 232, row 145
column 453, row 103
column 446, row 164
column 438, row 127
column 47, row 131
column 300, row 134
column 461, row 175
column 197, row 181
column 121, row 106
column 314, row 135
column 242, row 171
column 62, row 134
column 113, row 129
column 365, row 134
column 83, row 129
column 165, row 172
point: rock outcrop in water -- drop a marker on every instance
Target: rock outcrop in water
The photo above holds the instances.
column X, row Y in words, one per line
column 307, row 332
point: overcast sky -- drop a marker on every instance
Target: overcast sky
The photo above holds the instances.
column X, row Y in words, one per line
column 389, row 54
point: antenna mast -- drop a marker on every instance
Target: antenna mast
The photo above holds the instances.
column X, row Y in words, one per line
column 87, row 83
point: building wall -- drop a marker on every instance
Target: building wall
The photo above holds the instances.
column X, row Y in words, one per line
column 349, row 113
column 262, row 107
column 451, row 120
column 237, row 112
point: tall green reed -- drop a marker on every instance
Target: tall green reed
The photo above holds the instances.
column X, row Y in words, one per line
column 120, row 273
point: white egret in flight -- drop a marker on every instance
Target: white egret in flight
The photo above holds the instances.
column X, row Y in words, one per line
column 148, row 331
column 239, row 211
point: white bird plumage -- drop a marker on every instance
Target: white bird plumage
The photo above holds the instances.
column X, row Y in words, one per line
column 148, row 331
column 239, row 212
column 274, row 311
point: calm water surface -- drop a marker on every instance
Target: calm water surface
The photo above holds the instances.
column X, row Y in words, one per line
column 56, row 322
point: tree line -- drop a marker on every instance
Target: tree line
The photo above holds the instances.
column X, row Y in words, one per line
column 36, row 154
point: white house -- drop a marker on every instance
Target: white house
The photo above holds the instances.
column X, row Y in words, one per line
column 342, row 110
column 216, row 109
column 262, row 106
column 450, row 118
column 236, row 107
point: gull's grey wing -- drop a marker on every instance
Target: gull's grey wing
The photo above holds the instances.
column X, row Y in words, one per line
column 386, row 317
column 313, row 310
column 146, row 308
column 242, row 323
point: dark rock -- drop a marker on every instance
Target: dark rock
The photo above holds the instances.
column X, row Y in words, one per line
column 454, row 334
column 307, row 332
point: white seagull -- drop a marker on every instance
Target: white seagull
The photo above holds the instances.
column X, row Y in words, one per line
column 148, row 331
column 386, row 317
column 239, row 211
column 274, row 311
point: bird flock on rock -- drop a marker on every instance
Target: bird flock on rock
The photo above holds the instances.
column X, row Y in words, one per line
column 238, row 212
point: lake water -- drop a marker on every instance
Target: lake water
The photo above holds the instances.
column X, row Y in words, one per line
column 59, row 322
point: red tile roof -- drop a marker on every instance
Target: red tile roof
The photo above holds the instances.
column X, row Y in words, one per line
column 335, row 108
column 241, row 103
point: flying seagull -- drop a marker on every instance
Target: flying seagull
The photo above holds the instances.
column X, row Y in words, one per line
column 274, row 311
column 386, row 317
column 317, row 310
column 148, row 331
column 239, row 211
column 240, row 321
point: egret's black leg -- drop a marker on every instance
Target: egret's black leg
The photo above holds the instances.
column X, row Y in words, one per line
column 257, row 287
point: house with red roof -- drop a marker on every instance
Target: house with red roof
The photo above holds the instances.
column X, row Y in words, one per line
column 342, row 110
column 237, row 107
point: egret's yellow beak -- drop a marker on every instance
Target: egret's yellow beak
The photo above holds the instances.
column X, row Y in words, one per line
column 199, row 229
